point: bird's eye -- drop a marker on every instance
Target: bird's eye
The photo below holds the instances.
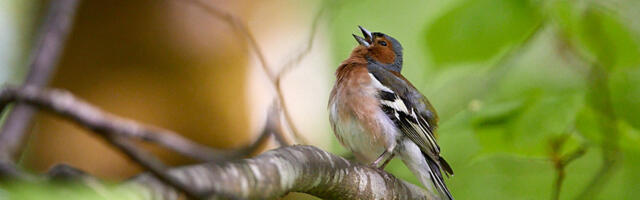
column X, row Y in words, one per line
column 383, row 43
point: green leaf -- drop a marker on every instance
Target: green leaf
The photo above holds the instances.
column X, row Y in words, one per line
column 477, row 30
column 599, row 33
column 629, row 137
column 526, row 128
column 609, row 39
column 497, row 114
column 624, row 85
column 68, row 191
column 550, row 115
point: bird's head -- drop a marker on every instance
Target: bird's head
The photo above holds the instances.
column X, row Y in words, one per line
column 381, row 49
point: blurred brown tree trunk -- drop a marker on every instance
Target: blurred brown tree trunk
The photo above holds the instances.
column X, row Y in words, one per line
column 143, row 60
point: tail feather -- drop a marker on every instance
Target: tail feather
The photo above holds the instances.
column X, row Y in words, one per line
column 436, row 178
column 426, row 169
column 445, row 166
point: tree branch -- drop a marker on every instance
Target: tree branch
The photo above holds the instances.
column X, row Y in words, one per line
column 154, row 165
column 560, row 162
column 288, row 169
column 87, row 115
column 116, row 130
column 295, row 61
column 274, row 77
column 46, row 52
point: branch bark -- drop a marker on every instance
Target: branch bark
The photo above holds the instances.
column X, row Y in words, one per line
column 277, row 172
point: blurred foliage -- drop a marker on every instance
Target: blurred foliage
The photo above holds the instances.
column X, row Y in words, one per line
column 65, row 190
column 625, row 94
column 513, row 78
column 469, row 32
column 599, row 32
column 16, row 18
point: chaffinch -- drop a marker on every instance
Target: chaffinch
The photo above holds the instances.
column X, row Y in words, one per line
column 376, row 113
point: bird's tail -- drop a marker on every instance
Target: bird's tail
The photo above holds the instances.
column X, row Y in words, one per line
column 436, row 177
column 426, row 169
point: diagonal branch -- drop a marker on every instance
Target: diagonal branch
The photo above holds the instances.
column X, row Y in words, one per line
column 153, row 164
column 91, row 117
column 46, row 52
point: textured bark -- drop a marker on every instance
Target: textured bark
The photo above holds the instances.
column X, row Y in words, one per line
column 277, row 172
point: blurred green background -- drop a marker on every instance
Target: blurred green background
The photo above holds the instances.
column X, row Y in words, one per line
column 526, row 90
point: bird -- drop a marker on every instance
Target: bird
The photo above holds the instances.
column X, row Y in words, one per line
column 376, row 113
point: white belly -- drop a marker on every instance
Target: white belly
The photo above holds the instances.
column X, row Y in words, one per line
column 355, row 138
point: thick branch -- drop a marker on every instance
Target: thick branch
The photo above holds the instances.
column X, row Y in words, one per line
column 288, row 169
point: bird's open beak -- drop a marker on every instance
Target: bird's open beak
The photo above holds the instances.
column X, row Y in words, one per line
column 366, row 41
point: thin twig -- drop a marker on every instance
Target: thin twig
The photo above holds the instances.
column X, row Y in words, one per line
column 557, row 185
column 273, row 125
column 598, row 81
column 575, row 155
column 44, row 57
column 271, row 128
column 291, row 64
column 156, row 167
column 560, row 163
column 287, row 67
column 274, row 78
column 596, row 78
